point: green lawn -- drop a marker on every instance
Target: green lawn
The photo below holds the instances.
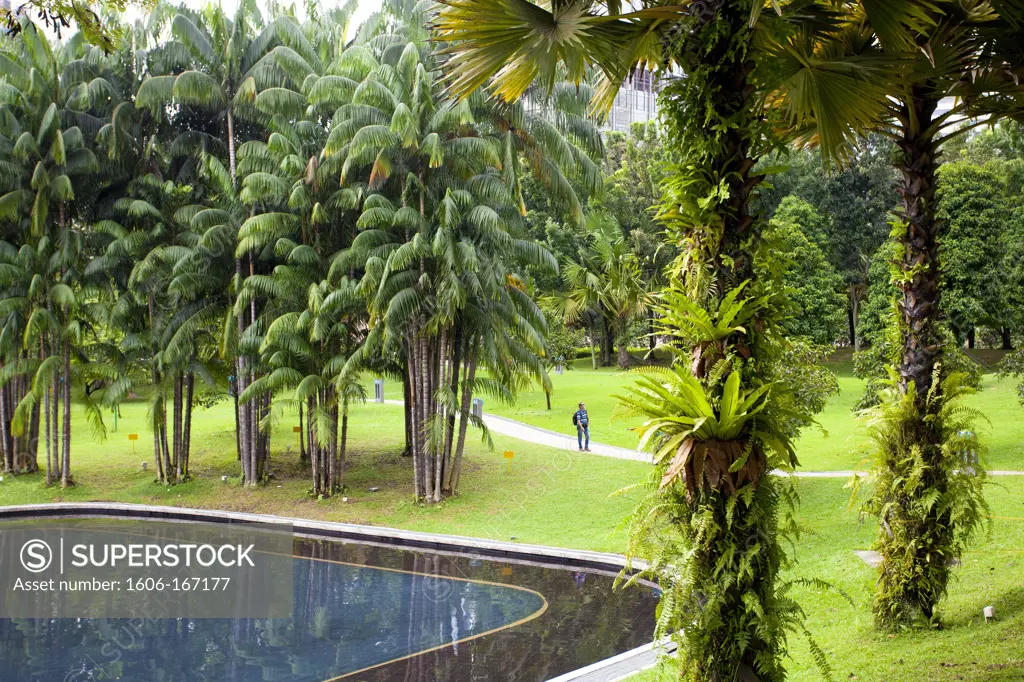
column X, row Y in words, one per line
column 965, row 649
column 530, row 503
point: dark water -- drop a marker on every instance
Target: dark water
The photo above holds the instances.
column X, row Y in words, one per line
column 361, row 613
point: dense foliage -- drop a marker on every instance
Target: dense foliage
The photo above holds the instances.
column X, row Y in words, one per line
column 267, row 208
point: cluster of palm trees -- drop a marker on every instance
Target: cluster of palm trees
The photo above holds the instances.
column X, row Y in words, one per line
column 606, row 290
column 266, row 208
column 745, row 77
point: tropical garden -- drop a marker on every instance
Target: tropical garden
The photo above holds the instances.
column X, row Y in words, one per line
column 219, row 227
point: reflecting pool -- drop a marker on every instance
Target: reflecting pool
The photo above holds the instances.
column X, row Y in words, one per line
column 361, row 612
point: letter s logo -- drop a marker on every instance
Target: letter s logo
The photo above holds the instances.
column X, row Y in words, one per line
column 36, row 556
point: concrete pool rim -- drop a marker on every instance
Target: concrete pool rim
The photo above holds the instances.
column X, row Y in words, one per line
column 614, row 668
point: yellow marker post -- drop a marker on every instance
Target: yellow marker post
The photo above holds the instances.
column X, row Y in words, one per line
column 508, row 456
column 133, row 437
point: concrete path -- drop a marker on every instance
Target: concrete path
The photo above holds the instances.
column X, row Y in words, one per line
column 564, row 441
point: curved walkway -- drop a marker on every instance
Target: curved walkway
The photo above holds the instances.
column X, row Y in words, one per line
column 562, row 441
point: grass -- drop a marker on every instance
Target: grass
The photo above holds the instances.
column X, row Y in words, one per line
column 527, row 502
column 965, row 649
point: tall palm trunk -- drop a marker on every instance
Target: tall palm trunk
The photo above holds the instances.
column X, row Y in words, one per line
column 177, row 435
column 231, row 140
column 919, row 292
column 407, row 410
column 467, row 397
column 186, row 448
column 453, row 387
column 302, row 440
column 50, row 455
column 55, row 407
column 425, row 398
column 621, row 331
column 242, row 413
column 921, row 352
column 65, row 479
column 343, row 448
column 6, row 442
column 593, row 344
column 854, row 314
column 32, row 451
column 739, row 531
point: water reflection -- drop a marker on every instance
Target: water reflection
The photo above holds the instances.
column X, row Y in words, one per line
column 362, row 613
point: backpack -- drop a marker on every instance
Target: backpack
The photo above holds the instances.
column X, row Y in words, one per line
column 575, row 418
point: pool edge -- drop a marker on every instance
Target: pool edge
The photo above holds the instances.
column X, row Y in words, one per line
column 634, row 660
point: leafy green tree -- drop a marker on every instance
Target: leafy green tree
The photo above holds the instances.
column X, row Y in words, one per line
column 854, row 202
column 50, row 172
column 814, row 290
column 608, row 279
column 970, row 202
column 924, row 53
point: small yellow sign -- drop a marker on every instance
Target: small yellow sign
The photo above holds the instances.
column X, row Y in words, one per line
column 133, row 437
column 509, row 454
column 296, row 429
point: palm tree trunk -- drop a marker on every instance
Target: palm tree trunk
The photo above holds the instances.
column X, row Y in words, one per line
column 186, row 450
column 467, row 397
column 919, row 294
column 231, row 141
column 302, row 438
column 314, row 457
column 621, row 329
column 412, row 394
column 439, row 367
column 919, row 317
column 407, row 409
column 854, row 318
column 652, row 338
column 50, row 455
column 607, row 342
column 343, row 448
column 177, row 426
column 164, row 449
column 65, row 479
column 6, row 442
column 332, row 463
column 55, row 407
column 453, row 386
column 428, row 454
column 32, row 451
column 593, row 343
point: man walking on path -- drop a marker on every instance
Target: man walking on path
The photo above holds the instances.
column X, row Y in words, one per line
column 582, row 423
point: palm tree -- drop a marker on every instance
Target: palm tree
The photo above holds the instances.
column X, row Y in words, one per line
column 608, row 277
column 50, row 170
column 968, row 53
column 438, row 234
column 715, row 117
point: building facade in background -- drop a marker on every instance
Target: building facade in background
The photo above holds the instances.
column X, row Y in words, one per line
column 636, row 103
